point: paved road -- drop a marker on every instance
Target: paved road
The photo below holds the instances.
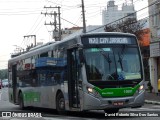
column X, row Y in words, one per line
column 147, row 112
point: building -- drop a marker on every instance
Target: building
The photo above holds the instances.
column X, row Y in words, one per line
column 112, row 13
column 154, row 61
column 79, row 30
column 95, row 28
column 68, row 31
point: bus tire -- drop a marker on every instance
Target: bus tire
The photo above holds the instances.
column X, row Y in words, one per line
column 60, row 103
column 114, row 110
column 21, row 101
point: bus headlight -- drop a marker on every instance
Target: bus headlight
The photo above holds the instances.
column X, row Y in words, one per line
column 141, row 88
column 90, row 90
column 93, row 92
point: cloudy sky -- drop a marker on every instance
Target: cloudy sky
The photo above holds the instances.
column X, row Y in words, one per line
column 19, row 18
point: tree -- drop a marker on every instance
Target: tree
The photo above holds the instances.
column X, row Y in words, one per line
column 130, row 25
column 3, row 73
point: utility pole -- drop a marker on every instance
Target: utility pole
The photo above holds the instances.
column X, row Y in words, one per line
column 57, row 25
column 83, row 15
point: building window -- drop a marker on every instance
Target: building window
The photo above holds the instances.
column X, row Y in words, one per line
column 155, row 15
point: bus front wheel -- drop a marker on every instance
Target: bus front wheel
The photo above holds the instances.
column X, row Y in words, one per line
column 109, row 111
column 60, row 103
column 21, row 102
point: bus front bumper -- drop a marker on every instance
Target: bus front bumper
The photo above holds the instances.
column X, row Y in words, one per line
column 93, row 103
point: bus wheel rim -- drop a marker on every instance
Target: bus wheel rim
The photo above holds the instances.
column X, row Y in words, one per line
column 61, row 103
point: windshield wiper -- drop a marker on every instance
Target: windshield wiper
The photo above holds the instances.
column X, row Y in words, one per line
column 106, row 57
column 120, row 61
column 121, row 56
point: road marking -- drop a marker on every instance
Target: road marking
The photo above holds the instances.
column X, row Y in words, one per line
column 156, row 106
column 140, row 109
column 148, row 109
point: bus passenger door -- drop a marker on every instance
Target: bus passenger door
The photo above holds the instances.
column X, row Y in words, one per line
column 73, row 73
column 14, row 83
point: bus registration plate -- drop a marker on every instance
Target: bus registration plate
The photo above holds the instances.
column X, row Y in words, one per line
column 118, row 103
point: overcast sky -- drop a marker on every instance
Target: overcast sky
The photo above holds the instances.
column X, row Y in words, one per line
column 23, row 17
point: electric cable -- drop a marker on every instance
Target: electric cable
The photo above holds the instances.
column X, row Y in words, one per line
column 121, row 18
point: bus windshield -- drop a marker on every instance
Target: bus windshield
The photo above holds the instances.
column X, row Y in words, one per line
column 112, row 63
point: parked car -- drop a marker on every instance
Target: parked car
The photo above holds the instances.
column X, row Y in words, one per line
column 5, row 83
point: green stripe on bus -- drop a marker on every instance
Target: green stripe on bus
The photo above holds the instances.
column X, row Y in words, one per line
column 31, row 96
column 117, row 92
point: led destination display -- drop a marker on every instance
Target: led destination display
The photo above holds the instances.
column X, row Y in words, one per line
column 108, row 40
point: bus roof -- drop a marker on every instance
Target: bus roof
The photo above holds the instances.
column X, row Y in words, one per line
column 39, row 49
column 79, row 33
column 108, row 33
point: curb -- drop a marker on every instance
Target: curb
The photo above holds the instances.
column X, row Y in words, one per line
column 152, row 102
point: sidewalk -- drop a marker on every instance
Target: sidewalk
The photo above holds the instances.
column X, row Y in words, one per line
column 152, row 98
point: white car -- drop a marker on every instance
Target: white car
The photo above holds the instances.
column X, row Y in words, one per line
column 5, row 83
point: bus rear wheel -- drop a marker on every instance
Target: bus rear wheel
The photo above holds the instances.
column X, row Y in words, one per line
column 60, row 103
column 21, row 102
column 109, row 111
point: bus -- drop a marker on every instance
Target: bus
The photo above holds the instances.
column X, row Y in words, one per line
column 92, row 71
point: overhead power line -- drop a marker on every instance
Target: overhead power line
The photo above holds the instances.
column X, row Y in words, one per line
column 11, row 14
column 69, row 22
column 122, row 17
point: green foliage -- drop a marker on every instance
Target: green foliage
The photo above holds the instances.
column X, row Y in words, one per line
column 131, row 25
column 3, row 74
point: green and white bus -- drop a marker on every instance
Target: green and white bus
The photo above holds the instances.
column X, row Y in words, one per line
column 93, row 71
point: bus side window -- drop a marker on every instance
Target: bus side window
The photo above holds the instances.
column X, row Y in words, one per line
column 57, row 78
column 34, row 79
column 44, row 54
column 42, row 79
column 49, row 79
column 64, row 76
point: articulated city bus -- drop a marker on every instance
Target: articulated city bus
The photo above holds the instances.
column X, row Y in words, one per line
column 93, row 71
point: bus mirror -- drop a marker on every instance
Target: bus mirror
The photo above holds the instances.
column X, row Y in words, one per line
column 81, row 57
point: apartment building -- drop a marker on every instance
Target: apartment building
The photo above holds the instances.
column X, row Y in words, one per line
column 112, row 13
column 154, row 61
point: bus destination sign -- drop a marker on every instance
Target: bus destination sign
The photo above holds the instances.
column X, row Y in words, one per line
column 106, row 40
